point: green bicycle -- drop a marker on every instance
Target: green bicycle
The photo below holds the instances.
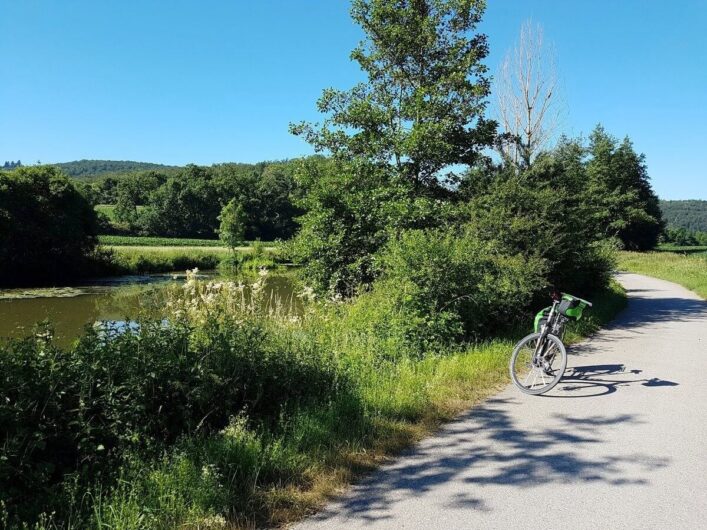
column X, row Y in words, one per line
column 539, row 360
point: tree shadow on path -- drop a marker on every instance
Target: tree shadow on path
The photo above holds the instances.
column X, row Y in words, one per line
column 487, row 447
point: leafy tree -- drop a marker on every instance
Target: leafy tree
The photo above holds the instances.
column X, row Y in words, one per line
column 543, row 214
column 619, row 182
column 275, row 197
column 232, row 224
column 47, row 228
column 684, row 238
column 184, row 206
column 106, row 190
column 396, row 137
column 133, row 191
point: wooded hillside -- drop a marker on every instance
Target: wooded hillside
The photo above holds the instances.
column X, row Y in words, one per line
column 691, row 215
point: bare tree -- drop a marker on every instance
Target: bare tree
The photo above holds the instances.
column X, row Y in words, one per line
column 528, row 102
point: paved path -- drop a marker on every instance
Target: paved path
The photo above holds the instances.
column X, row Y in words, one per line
column 620, row 443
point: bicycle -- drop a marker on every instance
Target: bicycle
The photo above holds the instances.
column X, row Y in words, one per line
column 539, row 360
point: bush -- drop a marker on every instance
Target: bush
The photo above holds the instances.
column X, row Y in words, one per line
column 458, row 284
column 47, row 228
column 351, row 211
column 543, row 216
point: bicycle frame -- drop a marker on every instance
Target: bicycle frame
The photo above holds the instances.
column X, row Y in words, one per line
column 545, row 331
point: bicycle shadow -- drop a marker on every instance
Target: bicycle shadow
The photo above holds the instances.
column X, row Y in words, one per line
column 601, row 380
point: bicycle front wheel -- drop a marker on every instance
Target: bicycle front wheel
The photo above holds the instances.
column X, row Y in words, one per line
column 538, row 374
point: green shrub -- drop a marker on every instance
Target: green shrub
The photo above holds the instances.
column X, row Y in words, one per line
column 541, row 216
column 247, row 262
column 458, row 283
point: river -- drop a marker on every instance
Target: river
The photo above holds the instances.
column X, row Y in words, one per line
column 70, row 309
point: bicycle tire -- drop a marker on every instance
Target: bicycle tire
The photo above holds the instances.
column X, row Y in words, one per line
column 525, row 345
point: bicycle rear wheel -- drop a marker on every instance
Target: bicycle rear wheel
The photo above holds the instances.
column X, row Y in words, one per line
column 538, row 375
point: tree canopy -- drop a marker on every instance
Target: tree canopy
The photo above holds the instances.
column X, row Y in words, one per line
column 47, row 228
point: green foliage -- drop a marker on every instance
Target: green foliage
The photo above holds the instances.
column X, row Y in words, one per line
column 683, row 237
column 351, row 211
column 690, row 215
column 422, row 105
column 232, row 225
column 185, row 206
column 145, row 260
column 392, row 139
column 545, row 214
column 131, row 194
column 241, row 261
column 47, row 228
column 229, row 410
column 458, row 282
column 182, row 202
column 80, row 412
column 619, row 182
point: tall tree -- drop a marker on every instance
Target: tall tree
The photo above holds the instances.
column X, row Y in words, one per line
column 232, row 225
column 618, row 180
column 422, row 107
column 528, row 103
column 396, row 137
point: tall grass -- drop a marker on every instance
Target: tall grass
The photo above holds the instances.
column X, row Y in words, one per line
column 689, row 270
column 237, row 413
column 145, row 260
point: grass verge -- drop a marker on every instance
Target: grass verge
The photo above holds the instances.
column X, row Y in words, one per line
column 689, row 270
column 124, row 259
column 452, row 383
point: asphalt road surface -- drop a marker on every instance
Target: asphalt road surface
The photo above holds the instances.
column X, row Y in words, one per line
column 620, row 442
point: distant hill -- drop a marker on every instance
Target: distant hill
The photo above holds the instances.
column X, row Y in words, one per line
column 90, row 169
column 691, row 215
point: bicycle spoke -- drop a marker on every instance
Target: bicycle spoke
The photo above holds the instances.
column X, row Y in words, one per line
column 538, row 375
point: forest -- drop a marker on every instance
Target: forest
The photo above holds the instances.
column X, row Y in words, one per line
column 690, row 215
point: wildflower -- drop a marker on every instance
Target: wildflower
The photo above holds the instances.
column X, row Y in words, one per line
column 307, row 294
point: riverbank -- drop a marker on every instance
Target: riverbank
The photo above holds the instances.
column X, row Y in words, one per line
column 268, row 414
column 686, row 269
column 123, row 259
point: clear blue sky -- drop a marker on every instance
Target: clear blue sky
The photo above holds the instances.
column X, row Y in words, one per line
column 210, row 81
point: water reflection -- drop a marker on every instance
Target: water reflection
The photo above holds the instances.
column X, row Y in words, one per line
column 70, row 309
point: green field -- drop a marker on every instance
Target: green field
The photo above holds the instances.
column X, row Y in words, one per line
column 170, row 242
column 107, row 209
column 683, row 250
column 146, row 241
column 687, row 269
